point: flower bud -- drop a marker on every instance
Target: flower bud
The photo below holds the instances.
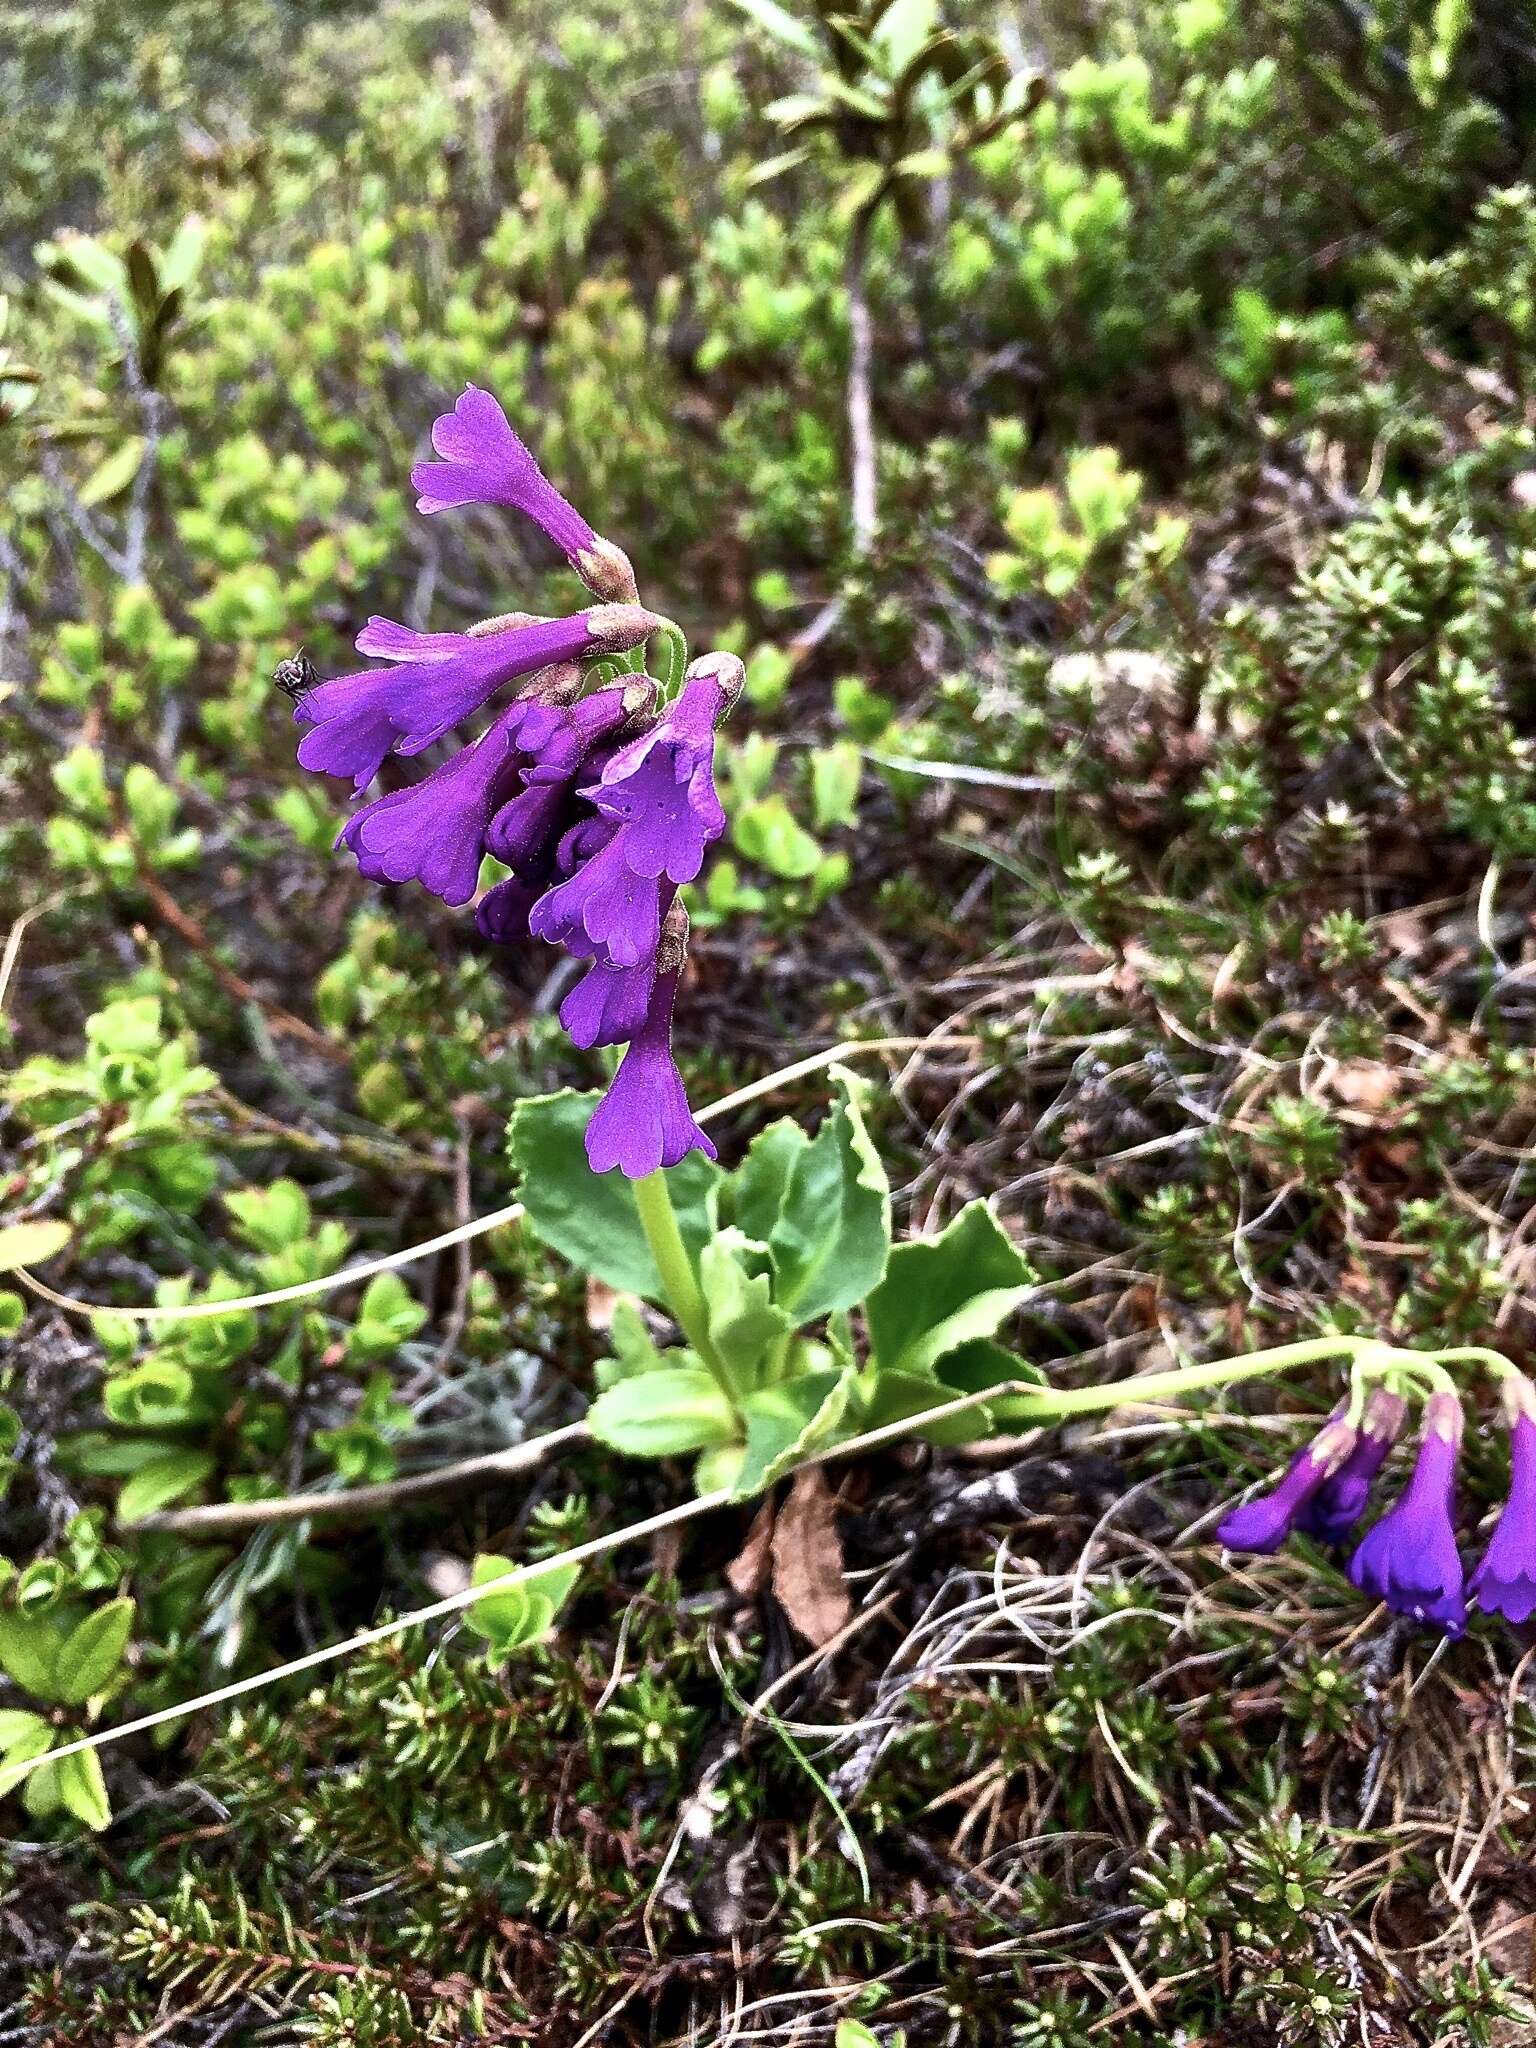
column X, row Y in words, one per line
column 607, row 573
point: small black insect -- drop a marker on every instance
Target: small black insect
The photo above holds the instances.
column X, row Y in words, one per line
column 296, row 676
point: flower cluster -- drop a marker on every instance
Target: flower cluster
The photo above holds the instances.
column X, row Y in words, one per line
column 1409, row 1558
column 598, row 797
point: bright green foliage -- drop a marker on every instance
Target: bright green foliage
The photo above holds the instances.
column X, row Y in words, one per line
column 787, row 1246
column 1160, row 775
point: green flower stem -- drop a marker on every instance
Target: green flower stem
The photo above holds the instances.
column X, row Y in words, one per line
column 658, row 1218
column 1478, row 1354
column 1366, row 1355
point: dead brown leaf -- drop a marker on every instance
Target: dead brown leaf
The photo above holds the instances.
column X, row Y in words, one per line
column 808, row 1577
column 747, row 1572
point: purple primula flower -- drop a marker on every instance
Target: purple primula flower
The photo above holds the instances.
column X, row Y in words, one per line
column 1504, row 1581
column 434, row 833
column 660, row 789
column 608, row 1005
column 644, row 1121
column 599, row 807
column 1409, row 1559
column 605, row 908
column 1263, row 1524
column 1341, row 1500
column 485, row 463
column 501, row 915
column 438, row 680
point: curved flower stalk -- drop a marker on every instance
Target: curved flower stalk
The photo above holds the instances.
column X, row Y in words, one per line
column 600, row 799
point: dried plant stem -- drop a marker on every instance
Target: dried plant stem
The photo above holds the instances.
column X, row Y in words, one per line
column 861, row 359
column 478, row 1226
column 468, row 1475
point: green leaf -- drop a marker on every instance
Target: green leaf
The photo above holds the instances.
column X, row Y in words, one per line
column 388, row 1315
column 756, row 1188
column 113, row 475
column 832, row 1236
column 23, row 1745
column 903, row 29
column 91, row 1653
column 662, row 1413
column 82, row 1790
column 271, row 1219
column 786, row 1423
column 744, row 1319
column 40, row 1791
column 29, row 1645
column 160, row 1481
column 28, row 1244
column 898, row 1396
column 634, row 1348
column 779, row 23
column 836, row 772
column 768, row 832
column 590, row 1218
column 982, row 1364
column 940, row 1292
column 518, row 1614
column 179, row 264
column 18, row 1725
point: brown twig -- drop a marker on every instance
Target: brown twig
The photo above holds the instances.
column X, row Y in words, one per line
column 170, row 913
column 469, row 1475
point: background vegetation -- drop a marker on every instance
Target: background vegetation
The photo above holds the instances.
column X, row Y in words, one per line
column 1164, row 766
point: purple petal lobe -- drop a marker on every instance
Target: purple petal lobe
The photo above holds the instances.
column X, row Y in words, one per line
column 484, row 463
column 1504, row 1581
column 358, row 719
column 1409, row 1559
column 644, row 1122
column 661, row 787
column 608, row 1005
column 435, row 833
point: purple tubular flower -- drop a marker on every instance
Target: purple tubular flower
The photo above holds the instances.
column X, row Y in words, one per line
column 501, row 915
column 644, row 1122
column 1409, row 1559
column 1263, row 1524
column 1341, row 1500
column 660, row 789
column 605, row 908
column 485, row 463
column 1504, row 1581
column 434, row 833
column 439, row 679
column 609, row 1004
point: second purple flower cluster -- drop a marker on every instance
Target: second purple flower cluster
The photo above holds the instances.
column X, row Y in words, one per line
column 1410, row 1558
column 598, row 797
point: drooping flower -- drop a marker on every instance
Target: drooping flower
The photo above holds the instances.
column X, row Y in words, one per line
column 1263, row 1524
column 501, row 915
column 608, row 1006
column 604, row 909
column 599, row 807
column 644, row 1122
column 1331, row 1512
column 1409, row 1559
column 439, row 679
column 485, row 463
column 534, row 816
column 1504, row 1580
column 660, row 789
column 434, row 832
